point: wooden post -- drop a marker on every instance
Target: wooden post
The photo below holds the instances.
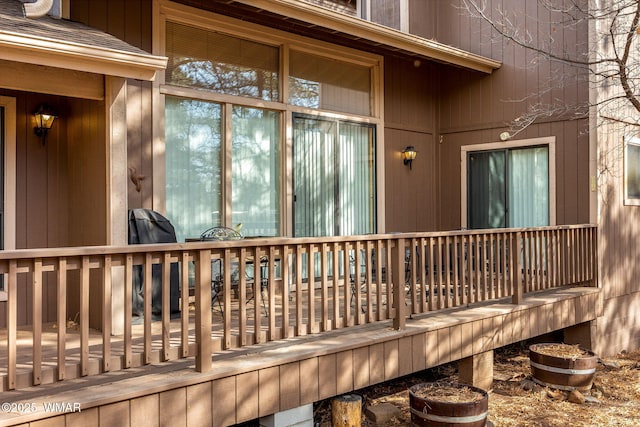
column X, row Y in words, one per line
column 346, row 411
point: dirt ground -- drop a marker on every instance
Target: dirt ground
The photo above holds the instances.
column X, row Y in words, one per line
column 614, row 399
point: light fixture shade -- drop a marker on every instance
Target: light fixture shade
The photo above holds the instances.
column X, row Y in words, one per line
column 44, row 118
column 409, row 154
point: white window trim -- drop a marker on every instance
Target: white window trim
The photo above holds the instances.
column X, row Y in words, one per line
column 168, row 11
column 9, row 105
column 550, row 141
column 628, row 201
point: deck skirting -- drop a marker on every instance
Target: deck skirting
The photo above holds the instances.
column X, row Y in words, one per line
column 260, row 380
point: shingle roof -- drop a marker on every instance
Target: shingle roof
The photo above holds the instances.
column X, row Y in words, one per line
column 12, row 19
column 47, row 37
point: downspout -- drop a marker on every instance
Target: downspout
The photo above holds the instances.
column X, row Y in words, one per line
column 38, row 9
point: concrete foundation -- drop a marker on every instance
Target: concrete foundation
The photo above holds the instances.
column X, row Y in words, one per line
column 302, row 416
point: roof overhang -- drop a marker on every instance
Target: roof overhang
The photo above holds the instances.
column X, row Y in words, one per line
column 374, row 33
column 69, row 55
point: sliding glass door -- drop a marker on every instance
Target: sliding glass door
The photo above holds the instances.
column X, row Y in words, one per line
column 508, row 188
column 333, row 177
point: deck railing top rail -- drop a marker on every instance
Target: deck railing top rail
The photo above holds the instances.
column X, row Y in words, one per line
column 250, row 241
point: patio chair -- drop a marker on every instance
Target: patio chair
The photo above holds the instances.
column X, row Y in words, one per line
column 217, row 277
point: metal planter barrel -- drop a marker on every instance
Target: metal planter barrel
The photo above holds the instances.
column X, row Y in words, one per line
column 428, row 408
column 562, row 371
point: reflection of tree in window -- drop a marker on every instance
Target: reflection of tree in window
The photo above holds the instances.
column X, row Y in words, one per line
column 193, row 172
column 221, row 63
column 225, row 78
column 255, row 170
column 304, row 93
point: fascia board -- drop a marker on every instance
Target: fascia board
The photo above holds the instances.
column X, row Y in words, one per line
column 79, row 57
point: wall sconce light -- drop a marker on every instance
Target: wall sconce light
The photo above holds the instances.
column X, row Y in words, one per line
column 44, row 117
column 408, row 155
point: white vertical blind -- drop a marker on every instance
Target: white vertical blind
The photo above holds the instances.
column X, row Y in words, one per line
column 529, row 187
column 255, row 171
column 334, row 178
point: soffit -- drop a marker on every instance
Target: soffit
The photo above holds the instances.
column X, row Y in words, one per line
column 70, row 45
column 322, row 23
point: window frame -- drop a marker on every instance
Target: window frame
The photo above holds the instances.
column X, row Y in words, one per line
column 523, row 143
column 167, row 11
column 628, row 201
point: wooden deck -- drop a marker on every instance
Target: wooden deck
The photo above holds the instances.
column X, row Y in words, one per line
column 258, row 380
column 329, row 302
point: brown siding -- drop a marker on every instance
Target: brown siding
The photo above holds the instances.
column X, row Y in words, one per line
column 130, row 21
column 476, row 108
column 422, row 18
column 410, row 100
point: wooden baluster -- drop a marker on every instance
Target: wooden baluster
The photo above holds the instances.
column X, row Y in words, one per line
column 106, row 313
column 311, row 291
column 84, row 316
column 166, row 306
column 357, row 260
column 397, row 281
column 242, row 297
column 12, row 324
column 257, row 313
column 286, row 279
column 37, row 320
column 226, row 298
column 61, row 317
column 203, row 310
column 325, row 286
column 346, row 260
column 184, row 306
column 516, row 269
column 128, row 309
column 147, row 301
column 299, row 322
column 336, row 287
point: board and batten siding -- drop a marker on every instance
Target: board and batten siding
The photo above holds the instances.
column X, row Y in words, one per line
column 130, row 21
column 475, row 109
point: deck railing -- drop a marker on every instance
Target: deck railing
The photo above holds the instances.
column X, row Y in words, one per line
column 238, row 293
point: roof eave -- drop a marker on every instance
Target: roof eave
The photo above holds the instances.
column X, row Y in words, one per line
column 79, row 57
column 377, row 33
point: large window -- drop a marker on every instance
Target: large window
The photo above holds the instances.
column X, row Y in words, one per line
column 508, row 188
column 632, row 171
column 229, row 113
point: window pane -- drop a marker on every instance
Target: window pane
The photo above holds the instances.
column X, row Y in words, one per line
column 193, row 150
column 255, row 171
column 328, row 84
column 356, row 163
column 486, row 190
column 529, row 187
column 334, row 178
column 221, row 63
column 632, row 172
